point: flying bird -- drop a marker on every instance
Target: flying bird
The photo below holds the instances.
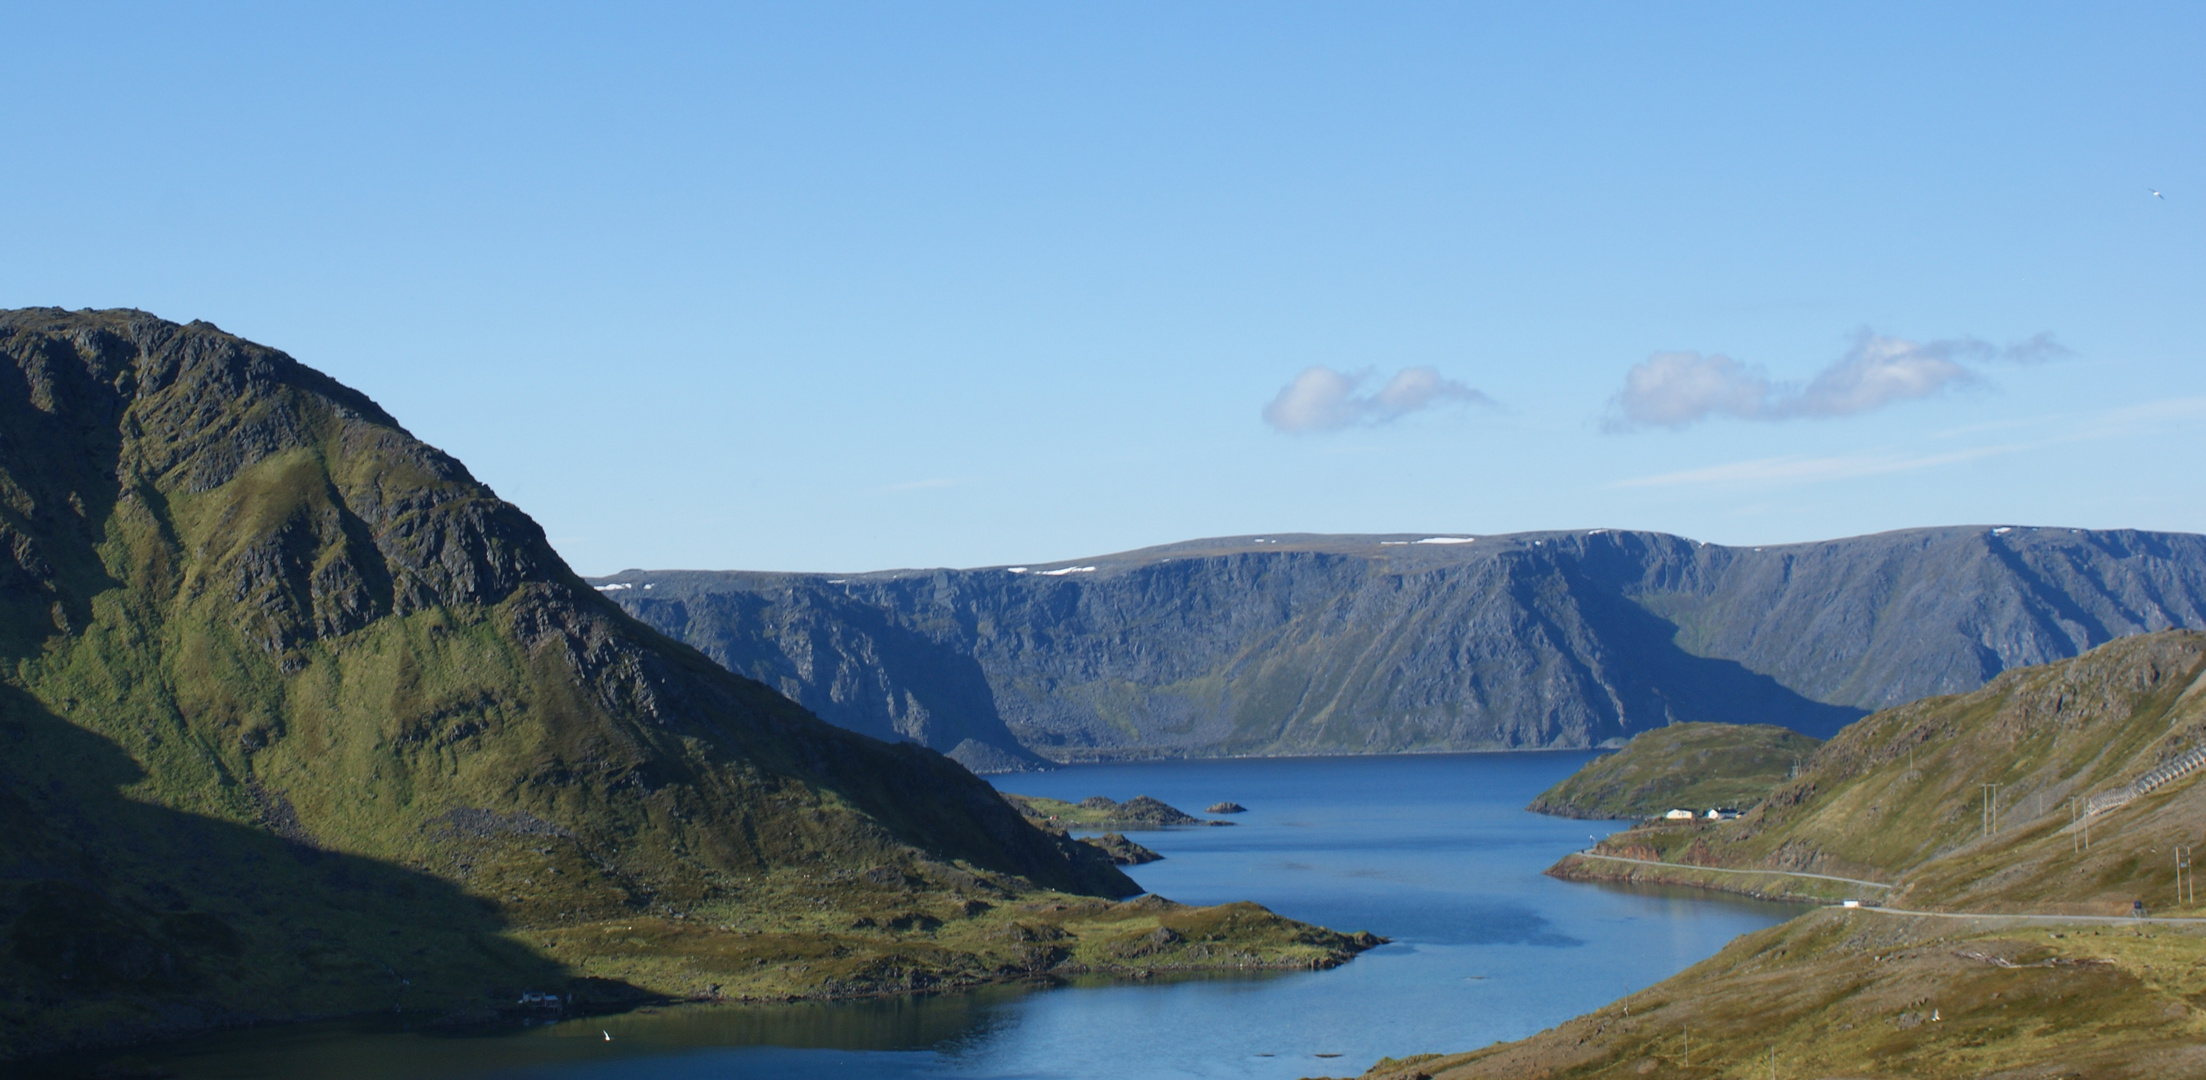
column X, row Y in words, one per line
column 2156, row 194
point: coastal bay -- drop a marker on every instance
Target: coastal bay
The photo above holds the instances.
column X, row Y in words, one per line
column 1434, row 852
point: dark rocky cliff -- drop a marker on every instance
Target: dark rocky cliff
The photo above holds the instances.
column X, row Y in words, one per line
column 1355, row 644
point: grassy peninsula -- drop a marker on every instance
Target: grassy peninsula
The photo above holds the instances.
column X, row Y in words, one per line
column 299, row 719
column 1682, row 766
column 1100, row 812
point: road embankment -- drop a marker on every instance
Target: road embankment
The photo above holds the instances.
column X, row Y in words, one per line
column 1757, row 883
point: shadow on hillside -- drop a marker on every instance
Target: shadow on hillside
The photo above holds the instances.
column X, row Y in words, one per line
column 1662, row 683
column 190, row 921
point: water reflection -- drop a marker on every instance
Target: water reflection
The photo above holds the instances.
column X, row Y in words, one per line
column 1434, row 852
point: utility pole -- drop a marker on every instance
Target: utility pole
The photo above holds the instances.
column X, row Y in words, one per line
column 2183, row 867
column 1991, row 809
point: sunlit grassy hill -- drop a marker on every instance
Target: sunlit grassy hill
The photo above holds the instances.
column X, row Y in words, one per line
column 1683, row 766
column 2030, row 966
column 1967, row 800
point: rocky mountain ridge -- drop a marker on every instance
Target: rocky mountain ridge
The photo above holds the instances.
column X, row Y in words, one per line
column 1300, row 644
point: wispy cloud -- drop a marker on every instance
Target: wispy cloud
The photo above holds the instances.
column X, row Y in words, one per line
column 2137, row 419
column 2098, row 424
column 2036, row 349
column 1799, row 470
column 2128, row 421
column 1322, row 399
column 1679, row 389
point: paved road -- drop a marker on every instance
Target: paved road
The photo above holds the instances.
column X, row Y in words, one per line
column 2120, row 920
column 1719, row 870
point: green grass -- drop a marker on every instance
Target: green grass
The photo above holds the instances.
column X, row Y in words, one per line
column 1682, row 766
column 1899, row 797
column 1857, row 994
column 1139, row 812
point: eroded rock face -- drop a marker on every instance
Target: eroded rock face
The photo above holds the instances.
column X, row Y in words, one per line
column 1363, row 644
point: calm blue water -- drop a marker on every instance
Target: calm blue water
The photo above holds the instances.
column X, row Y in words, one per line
column 1433, row 852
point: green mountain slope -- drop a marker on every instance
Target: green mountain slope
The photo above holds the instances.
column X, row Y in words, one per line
column 297, row 718
column 1863, row 995
column 2032, row 969
column 1303, row 644
column 1902, row 795
column 1683, row 766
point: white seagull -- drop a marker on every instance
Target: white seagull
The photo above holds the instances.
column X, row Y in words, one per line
column 2156, row 194
column 608, row 1035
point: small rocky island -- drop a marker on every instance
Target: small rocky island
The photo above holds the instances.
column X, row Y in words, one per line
column 1098, row 812
column 1226, row 808
column 1122, row 851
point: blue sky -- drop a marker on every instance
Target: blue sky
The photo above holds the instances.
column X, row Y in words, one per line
column 840, row 287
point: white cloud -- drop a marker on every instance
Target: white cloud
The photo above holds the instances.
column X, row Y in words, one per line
column 1321, row 399
column 1678, row 389
column 1876, row 372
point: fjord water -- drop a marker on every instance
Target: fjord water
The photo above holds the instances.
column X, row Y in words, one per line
column 1434, row 852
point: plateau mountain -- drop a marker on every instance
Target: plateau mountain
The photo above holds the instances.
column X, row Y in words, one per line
column 1304, row 644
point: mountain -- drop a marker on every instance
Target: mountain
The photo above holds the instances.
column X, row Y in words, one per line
column 1366, row 644
column 297, row 718
column 1684, row 766
column 2004, row 946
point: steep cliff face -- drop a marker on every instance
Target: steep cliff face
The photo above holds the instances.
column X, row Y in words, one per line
column 290, row 705
column 1329, row 644
column 846, row 659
